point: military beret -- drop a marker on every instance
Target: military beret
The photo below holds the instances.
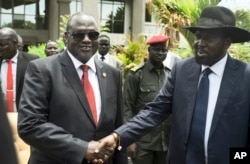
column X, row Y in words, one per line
column 158, row 39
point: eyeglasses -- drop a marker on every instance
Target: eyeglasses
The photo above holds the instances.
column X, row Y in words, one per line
column 78, row 36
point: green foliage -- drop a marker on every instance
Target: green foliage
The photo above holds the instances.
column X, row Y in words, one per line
column 133, row 53
column 63, row 24
column 240, row 51
column 243, row 19
column 20, row 24
column 37, row 50
column 183, row 52
column 174, row 13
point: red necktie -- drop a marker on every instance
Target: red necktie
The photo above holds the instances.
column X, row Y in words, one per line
column 9, row 91
column 89, row 92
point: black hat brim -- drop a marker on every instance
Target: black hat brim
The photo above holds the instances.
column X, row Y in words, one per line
column 237, row 35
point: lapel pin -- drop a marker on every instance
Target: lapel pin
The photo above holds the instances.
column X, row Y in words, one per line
column 104, row 74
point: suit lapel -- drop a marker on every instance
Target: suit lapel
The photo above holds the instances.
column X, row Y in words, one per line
column 193, row 78
column 227, row 83
column 73, row 79
column 102, row 76
column 21, row 68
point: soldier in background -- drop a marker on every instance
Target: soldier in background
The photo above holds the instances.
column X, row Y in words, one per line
column 141, row 86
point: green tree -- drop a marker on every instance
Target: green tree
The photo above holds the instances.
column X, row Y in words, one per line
column 177, row 13
column 133, row 53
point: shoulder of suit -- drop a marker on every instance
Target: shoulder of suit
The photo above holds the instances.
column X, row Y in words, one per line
column 28, row 55
column 138, row 67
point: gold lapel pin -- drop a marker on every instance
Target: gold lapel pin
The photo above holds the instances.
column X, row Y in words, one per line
column 104, row 74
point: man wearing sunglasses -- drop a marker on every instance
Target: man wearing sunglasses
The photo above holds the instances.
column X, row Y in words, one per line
column 71, row 100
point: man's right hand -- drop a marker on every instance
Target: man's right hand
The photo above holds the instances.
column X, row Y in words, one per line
column 98, row 157
column 131, row 150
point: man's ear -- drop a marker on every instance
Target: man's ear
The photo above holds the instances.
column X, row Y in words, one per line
column 66, row 34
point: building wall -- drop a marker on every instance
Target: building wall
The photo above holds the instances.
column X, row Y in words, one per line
column 134, row 21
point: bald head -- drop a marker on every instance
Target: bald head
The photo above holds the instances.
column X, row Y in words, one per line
column 76, row 20
column 8, row 43
column 9, row 34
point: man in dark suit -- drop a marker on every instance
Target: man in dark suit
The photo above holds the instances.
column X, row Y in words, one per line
column 7, row 149
column 9, row 51
column 225, row 122
column 104, row 55
column 55, row 115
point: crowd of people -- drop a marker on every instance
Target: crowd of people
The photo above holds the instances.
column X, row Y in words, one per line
column 75, row 106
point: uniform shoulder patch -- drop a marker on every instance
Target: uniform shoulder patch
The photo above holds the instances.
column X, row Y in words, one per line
column 139, row 66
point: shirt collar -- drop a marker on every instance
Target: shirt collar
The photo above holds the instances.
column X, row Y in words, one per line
column 150, row 66
column 218, row 68
column 106, row 56
column 14, row 58
column 78, row 64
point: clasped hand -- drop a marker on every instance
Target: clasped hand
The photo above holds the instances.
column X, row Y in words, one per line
column 100, row 151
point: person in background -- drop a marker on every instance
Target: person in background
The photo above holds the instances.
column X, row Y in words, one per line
column 51, row 48
column 71, row 100
column 7, row 150
column 13, row 66
column 208, row 96
column 141, row 86
column 171, row 59
column 104, row 55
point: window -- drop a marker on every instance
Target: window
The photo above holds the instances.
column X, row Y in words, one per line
column 23, row 14
column 148, row 12
column 112, row 15
column 75, row 6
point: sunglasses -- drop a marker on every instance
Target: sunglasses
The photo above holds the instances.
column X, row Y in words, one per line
column 78, row 36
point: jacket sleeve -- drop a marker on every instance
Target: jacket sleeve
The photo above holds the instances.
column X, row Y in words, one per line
column 33, row 119
column 7, row 150
column 120, row 157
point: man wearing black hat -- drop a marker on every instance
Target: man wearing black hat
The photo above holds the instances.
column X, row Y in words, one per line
column 141, row 86
column 208, row 96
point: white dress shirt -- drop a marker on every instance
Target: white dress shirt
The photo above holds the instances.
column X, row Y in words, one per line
column 92, row 78
column 106, row 58
column 214, row 86
column 4, row 68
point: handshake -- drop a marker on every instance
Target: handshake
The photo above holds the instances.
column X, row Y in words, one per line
column 99, row 151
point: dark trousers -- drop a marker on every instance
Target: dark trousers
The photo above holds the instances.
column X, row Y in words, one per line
column 150, row 157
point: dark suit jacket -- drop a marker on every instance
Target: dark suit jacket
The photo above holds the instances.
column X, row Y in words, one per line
column 7, row 150
column 230, row 125
column 54, row 116
column 22, row 62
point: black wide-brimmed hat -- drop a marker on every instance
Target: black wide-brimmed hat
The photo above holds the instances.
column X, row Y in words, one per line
column 218, row 17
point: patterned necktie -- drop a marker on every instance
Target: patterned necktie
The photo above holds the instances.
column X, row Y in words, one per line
column 89, row 92
column 9, row 89
column 195, row 148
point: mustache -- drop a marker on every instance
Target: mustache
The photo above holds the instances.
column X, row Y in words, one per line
column 200, row 50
